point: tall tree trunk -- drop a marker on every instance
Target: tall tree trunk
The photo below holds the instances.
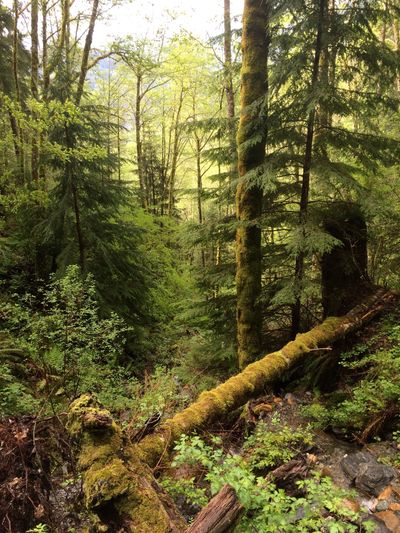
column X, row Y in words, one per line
column 70, row 142
column 139, row 149
column 44, row 46
column 86, row 51
column 175, row 155
column 255, row 44
column 305, row 187
column 228, row 82
column 230, row 96
column 200, row 192
column 18, row 129
column 119, row 137
column 35, row 85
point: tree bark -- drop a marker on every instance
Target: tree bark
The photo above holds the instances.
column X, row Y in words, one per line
column 228, row 82
column 34, row 85
column 15, row 52
column 175, row 154
column 220, row 514
column 251, row 155
column 138, row 129
column 345, row 280
column 230, row 95
column 253, row 380
column 118, row 489
column 86, row 51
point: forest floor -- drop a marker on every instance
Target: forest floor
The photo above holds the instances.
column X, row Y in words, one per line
column 287, row 434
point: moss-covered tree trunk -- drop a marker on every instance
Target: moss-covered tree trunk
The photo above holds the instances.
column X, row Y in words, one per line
column 251, row 141
column 119, row 490
column 254, row 379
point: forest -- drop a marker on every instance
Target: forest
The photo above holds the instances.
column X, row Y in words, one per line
column 199, row 266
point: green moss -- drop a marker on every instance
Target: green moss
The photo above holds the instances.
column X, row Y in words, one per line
column 98, row 449
column 102, row 483
column 113, row 475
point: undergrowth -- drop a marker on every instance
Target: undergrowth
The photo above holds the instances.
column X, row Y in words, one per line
column 267, row 508
column 371, row 393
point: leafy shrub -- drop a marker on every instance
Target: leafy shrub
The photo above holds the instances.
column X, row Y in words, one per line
column 15, row 398
column 268, row 509
column 270, row 446
column 72, row 347
column 375, row 393
column 187, row 489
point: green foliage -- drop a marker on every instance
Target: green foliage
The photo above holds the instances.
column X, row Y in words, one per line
column 75, row 349
column 268, row 509
column 271, row 446
column 185, row 488
column 160, row 392
column 39, row 528
column 15, row 398
column 377, row 386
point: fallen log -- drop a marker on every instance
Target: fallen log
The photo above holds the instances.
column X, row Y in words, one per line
column 119, row 490
column 252, row 381
column 220, row 514
column 118, row 485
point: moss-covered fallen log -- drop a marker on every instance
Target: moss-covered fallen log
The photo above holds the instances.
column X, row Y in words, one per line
column 252, row 381
column 119, row 490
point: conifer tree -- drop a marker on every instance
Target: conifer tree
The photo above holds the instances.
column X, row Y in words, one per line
column 251, row 141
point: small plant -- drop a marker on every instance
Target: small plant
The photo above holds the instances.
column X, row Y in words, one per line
column 274, row 444
column 39, row 528
column 187, row 489
column 375, row 391
column 269, row 509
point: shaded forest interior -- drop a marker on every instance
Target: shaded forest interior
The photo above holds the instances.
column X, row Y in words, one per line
column 173, row 207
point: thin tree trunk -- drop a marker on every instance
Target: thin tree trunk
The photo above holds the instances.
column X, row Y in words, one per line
column 228, row 81
column 75, row 202
column 21, row 162
column 199, row 192
column 86, row 51
column 175, row 155
column 305, row 187
column 34, row 85
column 255, row 44
column 230, row 96
column 138, row 127
column 119, row 137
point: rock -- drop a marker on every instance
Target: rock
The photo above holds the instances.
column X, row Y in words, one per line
column 382, row 505
column 368, row 475
column 351, row 463
column 391, row 520
column 373, row 477
column 291, row 399
column 369, row 504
